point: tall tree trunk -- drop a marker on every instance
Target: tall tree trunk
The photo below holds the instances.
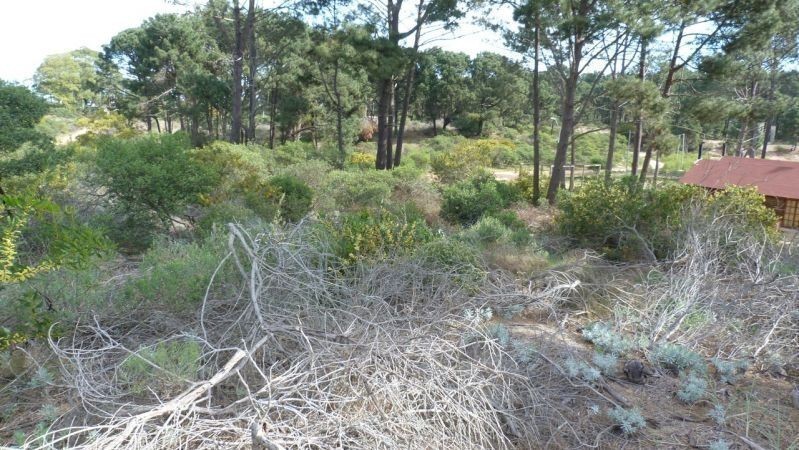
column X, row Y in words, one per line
column 272, row 116
column 253, row 52
column 614, row 125
column 382, row 121
column 750, row 149
column 769, row 118
column 724, row 134
column 739, row 150
column 238, row 68
column 571, row 162
column 435, row 131
column 567, row 122
column 639, row 126
column 673, row 66
column 390, row 126
column 342, row 152
column 536, row 111
column 406, row 99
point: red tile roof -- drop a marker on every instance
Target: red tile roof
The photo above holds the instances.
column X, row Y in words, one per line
column 772, row 177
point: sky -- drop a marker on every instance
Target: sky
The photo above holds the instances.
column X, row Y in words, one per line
column 30, row 31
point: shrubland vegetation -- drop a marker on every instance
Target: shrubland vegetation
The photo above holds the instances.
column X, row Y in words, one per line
column 211, row 263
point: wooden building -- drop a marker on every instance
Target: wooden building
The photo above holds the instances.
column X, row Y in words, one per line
column 777, row 180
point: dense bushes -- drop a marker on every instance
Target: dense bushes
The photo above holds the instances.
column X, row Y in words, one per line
column 628, row 220
column 154, row 174
column 353, row 190
column 366, row 234
column 462, row 161
column 281, row 196
column 175, row 275
column 465, row 202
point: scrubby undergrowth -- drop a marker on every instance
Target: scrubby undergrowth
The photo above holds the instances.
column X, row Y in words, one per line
column 423, row 350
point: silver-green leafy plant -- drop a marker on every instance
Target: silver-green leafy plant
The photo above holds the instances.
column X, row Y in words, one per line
column 678, row 358
column 692, row 388
column 629, row 421
column 718, row 414
column 721, row 444
column 606, row 363
column 606, row 339
column 729, row 371
column 579, row 370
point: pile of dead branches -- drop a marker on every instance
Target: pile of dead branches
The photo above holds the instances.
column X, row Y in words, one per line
column 398, row 355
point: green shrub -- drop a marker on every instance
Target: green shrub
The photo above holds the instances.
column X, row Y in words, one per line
column 728, row 371
column 488, row 230
column 164, row 369
column 607, row 363
column 355, row 190
column 524, row 184
column 292, row 195
column 582, row 371
column 628, row 220
column 521, row 238
column 444, row 142
column 462, row 161
column 719, row 445
column 153, row 173
column 291, row 152
column 420, row 159
column 622, row 213
column 468, row 124
column 746, row 207
column 450, row 254
column 369, row 234
column 238, row 168
column 220, row 214
column 466, row 202
column 311, row 172
column 176, row 275
column 510, row 219
column 363, row 160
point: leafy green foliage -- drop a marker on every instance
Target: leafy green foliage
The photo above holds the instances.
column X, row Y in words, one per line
column 487, row 230
column 351, row 190
column 70, row 79
column 176, row 275
column 20, row 111
column 619, row 214
column 463, row 161
column 284, row 195
column 68, row 243
column 466, row 201
column 746, row 207
column 152, row 174
column 369, row 234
